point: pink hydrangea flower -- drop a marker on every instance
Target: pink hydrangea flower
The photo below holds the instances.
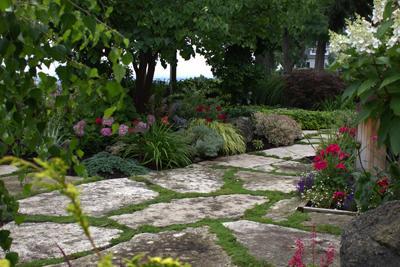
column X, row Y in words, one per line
column 108, row 121
column 151, row 119
column 79, row 128
column 106, row 132
column 141, row 127
column 123, row 130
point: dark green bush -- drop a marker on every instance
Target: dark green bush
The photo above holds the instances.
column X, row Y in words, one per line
column 268, row 91
column 206, row 142
column 105, row 163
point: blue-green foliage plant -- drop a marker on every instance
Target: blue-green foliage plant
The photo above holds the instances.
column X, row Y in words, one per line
column 206, row 142
column 104, row 163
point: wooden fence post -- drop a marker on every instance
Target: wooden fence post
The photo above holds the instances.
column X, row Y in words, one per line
column 371, row 154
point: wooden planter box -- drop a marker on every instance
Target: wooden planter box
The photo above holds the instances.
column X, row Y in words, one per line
column 332, row 211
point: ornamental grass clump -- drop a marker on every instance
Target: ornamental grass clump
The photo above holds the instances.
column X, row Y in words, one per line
column 279, row 130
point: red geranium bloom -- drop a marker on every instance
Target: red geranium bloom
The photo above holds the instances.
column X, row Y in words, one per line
column 353, row 132
column 343, row 155
column 164, row 120
column 322, row 153
column 339, row 195
column 200, row 108
column 209, row 119
column 341, row 166
column 99, row 121
column 218, row 108
column 333, row 149
column 343, row 130
column 221, row 116
column 383, row 184
column 321, row 165
column 317, row 158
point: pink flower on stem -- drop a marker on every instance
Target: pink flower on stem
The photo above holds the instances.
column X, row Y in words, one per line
column 123, row 130
column 297, row 259
column 333, row 149
column 79, row 128
column 321, row 165
column 108, row 121
column 106, row 132
column 329, row 257
column 341, row 166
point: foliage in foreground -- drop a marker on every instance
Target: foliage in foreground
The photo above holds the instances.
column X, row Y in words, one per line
column 106, row 163
column 159, row 147
column 233, row 141
column 205, row 141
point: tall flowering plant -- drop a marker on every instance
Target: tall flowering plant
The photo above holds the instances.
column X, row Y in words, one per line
column 368, row 53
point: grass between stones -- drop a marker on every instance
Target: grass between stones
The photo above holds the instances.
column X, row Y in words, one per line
column 232, row 185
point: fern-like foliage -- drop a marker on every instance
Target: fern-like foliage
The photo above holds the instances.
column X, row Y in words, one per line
column 106, row 163
column 233, row 142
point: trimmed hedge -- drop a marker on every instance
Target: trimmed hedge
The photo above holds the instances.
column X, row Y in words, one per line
column 308, row 119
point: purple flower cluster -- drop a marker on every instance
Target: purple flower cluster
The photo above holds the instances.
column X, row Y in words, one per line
column 305, row 182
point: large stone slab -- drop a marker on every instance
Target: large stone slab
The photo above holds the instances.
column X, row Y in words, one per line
column 267, row 181
column 7, row 169
column 39, row 240
column 15, row 187
column 295, row 152
column 97, row 198
column 276, row 244
column 282, row 209
column 338, row 220
column 192, row 179
column 292, row 167
column 190, row 210
column 196, row 246
column 248, row 161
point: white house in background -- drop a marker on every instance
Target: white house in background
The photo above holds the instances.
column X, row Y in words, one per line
column 310, row 57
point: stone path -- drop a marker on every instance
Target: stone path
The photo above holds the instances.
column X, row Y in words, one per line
column 227, row 212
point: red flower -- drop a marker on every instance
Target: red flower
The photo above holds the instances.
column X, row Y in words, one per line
column 221, row 116
column 353, row 132
column 383, row 183
column 322, row 153
column 99, row 121
column 200, row 108
column 333, row 149
column 343, row 130
column 209, row 119
column 343, row 155
column 317, row 158
column 218, row 108
column 321, row 165
column 164, row 120
column 341, row 166
column 339, row 195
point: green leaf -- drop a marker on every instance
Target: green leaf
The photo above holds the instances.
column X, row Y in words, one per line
column 390, row 80
column 394, row 136
column 93, row 73
column 349, row 92
column 365, row 86
column 119, row 72
column 12, row 257
column 80, row 153
column 383, row 60
column 114, row 89
column 4, row 4
column 108, row 112
column 395, row 105
column 383, row 28
column 127, row 58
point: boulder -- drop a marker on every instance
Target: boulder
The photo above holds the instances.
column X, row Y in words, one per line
column 373, row 239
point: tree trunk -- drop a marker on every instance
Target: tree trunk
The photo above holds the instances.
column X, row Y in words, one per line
column 320, row 55
column 286, row 50
column 172, row 74
column 144, row 80
column 267, row 61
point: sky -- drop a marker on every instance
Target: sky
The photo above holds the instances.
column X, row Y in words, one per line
column 194, row 67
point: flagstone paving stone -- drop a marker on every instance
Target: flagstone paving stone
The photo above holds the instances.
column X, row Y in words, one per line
column 192, row 179
column 39, row 240
column 276, row 244
column 190, row 210
column 318, row 218
column 97, row 198
column 282, row 209
column 7, row 169
column 294, row 152
column 291, row 167
column 196, row 246
column 267, row 181
column 15, row 187
column 248, row 161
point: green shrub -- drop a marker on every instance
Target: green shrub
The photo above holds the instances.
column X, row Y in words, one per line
column 106, row 163
column 206, row 142
column 245, row 127
column 233, row 141
column 257, row 144
column 277, row 129
column 241, row 111
column 268, row 91
column 159, row 147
